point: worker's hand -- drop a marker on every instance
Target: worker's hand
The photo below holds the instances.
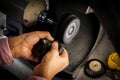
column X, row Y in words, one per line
column 22, row 45
column 52, row 63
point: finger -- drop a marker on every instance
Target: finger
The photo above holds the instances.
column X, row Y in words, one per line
column 54, row 46
column 64, row 53
column 65, row 57
column 35, row 59
column 32, row 58
column 45, row 34
column 34, row 37
column 53, row 50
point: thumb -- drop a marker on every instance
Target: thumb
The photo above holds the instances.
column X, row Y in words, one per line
column 64, row 53
column 54, row 49
column 54, row 46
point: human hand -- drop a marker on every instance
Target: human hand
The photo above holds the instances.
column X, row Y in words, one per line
column 52, row 63
column 22, row 45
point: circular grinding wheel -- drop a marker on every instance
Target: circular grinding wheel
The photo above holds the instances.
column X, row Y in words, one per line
column 69, row 28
